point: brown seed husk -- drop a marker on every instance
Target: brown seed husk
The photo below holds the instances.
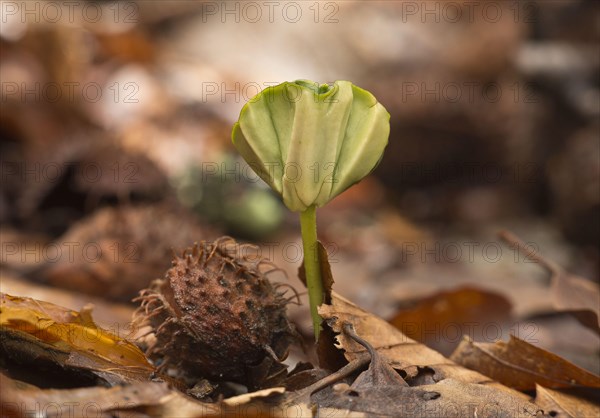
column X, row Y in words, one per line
column 216, row 315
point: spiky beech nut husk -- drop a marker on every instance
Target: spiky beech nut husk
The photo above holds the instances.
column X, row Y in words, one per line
column 216, row 315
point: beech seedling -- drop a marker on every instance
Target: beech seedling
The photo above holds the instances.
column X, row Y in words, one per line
column 310, row 142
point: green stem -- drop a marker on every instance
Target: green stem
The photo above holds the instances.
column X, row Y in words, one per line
column 312, row 267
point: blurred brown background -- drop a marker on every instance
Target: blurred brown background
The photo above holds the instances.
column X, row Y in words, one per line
column 115, row 146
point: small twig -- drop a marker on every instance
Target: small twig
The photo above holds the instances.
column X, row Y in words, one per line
column 342, row 373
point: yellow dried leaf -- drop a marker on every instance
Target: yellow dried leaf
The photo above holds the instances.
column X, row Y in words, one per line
column 67, row 330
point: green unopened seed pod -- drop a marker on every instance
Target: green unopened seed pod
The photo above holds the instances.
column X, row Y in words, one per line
column 311, row 142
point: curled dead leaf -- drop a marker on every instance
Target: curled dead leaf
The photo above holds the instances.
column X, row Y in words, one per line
column 403, row 353
column 559, row 404
column 380, row 391
column 520, row 365
column 458, row 388
column 461, row 311
column 22, row 400
column 570, row 293
column 36, row 327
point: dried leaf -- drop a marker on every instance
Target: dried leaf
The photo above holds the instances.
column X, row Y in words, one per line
column 56, row 325
column 404, row 354
column 570, row 293
column 300, row 379
column 379, row 375
column 247, row 397
column 380, row 391
column 478, row 401
column 148, row 399
column 301, row 399
column 329, row 357
column 42, row 326
column 20, row 400
column 264, row 403
column 325, row 268
column 109, row 315
column 564, row 405
column 578, row 296
column 521, row 365
column 446, row 398
column 465, row 310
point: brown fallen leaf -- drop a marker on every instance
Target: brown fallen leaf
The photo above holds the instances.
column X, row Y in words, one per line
column 115, row 317
column 478, row 401
column 446, row 398
column 136, row 399
column 301, row 399
column 36, row 330
column 563, row 405
column 19, row 399
column 380, row 391
column 520, row 365
column 60, row 326
column 247, row 397
column 452, row 314
column 379, row 374
column 411, row 358
column 570, row 292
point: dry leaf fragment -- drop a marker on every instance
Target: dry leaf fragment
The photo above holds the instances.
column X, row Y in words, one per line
column 260, row 404
column 110, row 315
column 301, row 399
column 465, row 310
column 142, row 399
column 448, row 398
column 521, row 365
column 21, row 400
column 380, row 392
column 31, row 328
column 563, row 405
column 571, row 293
column 459, row 388
column 404, row 354
column 60, row 326
column 461, row 399
column 379, row 374
column 326, row 274
column 247, row 397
